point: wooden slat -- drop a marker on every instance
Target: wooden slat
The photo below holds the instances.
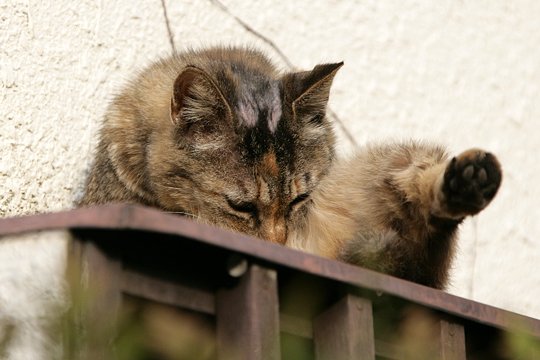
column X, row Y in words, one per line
column 96, row 300
column 167, row 292
column 451, row 341
column 345, row 331
column 248, row 317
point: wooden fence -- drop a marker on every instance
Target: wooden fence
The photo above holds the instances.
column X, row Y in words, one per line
column 257, row 300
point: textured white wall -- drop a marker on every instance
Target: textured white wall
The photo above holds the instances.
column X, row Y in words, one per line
column 464, row 73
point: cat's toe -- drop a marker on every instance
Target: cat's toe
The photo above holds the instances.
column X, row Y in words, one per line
column 471, row 180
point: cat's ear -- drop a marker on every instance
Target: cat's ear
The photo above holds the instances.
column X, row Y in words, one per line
column 197, row 104
column 309, row 90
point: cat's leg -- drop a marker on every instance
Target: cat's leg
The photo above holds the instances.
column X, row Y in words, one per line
column 438, row 197
column 396, row 208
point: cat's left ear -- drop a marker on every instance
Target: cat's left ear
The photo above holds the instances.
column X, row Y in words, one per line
column 196, row 101
column 308, row 91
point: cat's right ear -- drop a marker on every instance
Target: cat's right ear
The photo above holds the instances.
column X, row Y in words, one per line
column 308, row 91
column 197, row 104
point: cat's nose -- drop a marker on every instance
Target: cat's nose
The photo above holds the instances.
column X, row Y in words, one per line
column 274, row 230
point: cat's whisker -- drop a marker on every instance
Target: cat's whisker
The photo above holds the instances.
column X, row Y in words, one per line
column 181, row 213
column 170, row 187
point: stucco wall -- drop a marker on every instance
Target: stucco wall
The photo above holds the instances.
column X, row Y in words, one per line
column 464, row 73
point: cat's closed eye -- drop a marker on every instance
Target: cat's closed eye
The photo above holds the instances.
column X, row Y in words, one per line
column 245, row 207
column 300, row 199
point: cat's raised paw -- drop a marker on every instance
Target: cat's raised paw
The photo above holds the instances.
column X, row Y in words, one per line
column 471, row 180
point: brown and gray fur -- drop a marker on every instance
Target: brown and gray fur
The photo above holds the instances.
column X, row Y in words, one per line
column 221, row 135
column 396, row 208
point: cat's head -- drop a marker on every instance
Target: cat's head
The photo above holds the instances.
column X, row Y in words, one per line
column 249, row 147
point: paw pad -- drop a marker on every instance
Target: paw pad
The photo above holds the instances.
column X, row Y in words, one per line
column 471, row 180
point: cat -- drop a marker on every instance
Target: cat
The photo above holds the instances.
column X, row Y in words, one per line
column 221, row 135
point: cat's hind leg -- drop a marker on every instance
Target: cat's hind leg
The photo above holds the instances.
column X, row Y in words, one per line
column 407, row 199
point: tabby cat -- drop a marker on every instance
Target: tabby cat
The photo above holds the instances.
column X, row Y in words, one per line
column 221, row 135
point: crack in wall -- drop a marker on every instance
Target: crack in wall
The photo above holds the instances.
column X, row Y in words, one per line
column 342, row 126
column 285, row 59
column 257, row 34
column 168, row 25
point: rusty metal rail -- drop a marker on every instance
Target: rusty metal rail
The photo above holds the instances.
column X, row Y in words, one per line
column 260, row 297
